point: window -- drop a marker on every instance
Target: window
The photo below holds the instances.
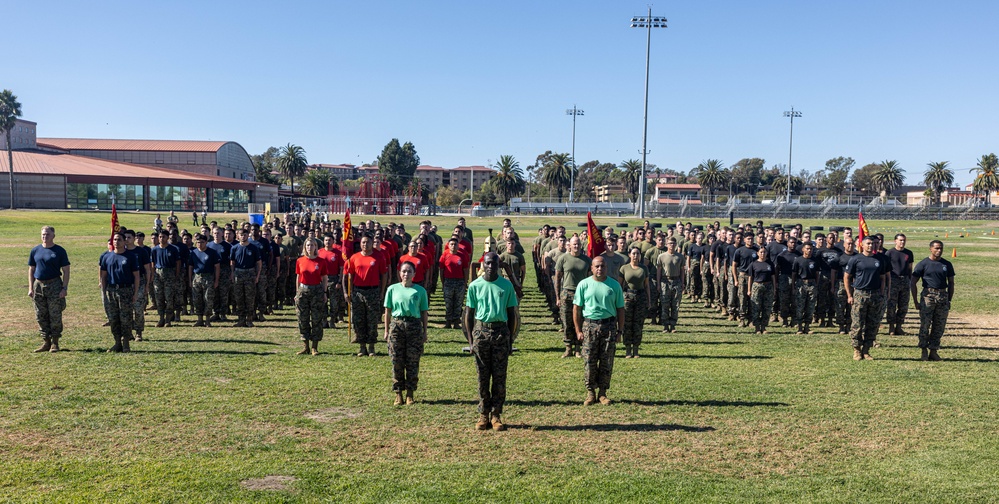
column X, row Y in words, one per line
column 98, row 196
column 229, row 200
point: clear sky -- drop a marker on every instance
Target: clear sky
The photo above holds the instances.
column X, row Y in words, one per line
column 468, row 81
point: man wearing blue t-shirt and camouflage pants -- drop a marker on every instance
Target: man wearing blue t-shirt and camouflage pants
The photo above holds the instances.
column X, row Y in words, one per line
column 598, row 313
column 48, row 283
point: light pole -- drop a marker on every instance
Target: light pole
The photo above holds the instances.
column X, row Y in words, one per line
column 647, row 22
column 792, row 114
column 572, row 174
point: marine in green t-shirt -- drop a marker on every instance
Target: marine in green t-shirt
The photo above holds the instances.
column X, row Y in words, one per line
column 406, row 301
column 599, row 300
column 490, row 299
column 634, row 277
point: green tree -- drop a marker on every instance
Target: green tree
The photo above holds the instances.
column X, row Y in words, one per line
column 558, row 173
column 746, row 174
column 780, row 185
column 398, row 163
column 509, row 179
column 986, row 179
column 292, row 163
column 938, row 177
column 711, row 174
column 10, row 110
column 316, row 182
column 448, row 196
column 863, row 179
column 631, row 176
column 768, row 176
column 888, row 177
column 836, row 172
column 264, row 165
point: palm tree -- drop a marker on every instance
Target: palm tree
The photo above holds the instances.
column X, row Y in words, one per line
column 938, row 177
column 316, row 182
column 509, row 177
column 780, row 185
column 10, row 110
column 292, row 163
column 888, row 177
column 986, row 180
column 558, row 173
column 712, row 175
column 631, row 176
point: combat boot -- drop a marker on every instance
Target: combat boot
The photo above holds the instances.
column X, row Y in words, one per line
column 200, row 322
column 315, row 348
column 483, row 422
column 578, row 353
column 867, row 352
column 124, row 346
column 591, row 398
column 926, row 355
column 497, row 423
column 568, row 351
column 215, row 318
column 55, row 345
column 46, row 346
column 398, row 398
column 934, row 356
column 138, row 336
column 240, row 322
column 117, row 346
column 304, row 350
column 410, row 400
column 602, row 397
column 161, row 322
column 634, row 352
column 858, row 354
column 371, row 350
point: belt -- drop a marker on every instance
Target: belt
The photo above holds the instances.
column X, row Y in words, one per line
column 600, row 321
column 408, row 318
column 634, row 291
column 492, row 324
column 243, row 270
column 204, row 274
column 806, row 281
column 48, row 281
column 307, row 286
column 118, row 286
column 361, row 287
column 568, row 290
column 931, row 289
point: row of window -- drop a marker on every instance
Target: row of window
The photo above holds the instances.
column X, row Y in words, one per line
column 165, row 198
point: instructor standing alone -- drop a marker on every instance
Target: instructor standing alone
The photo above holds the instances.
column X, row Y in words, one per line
column 48, row 283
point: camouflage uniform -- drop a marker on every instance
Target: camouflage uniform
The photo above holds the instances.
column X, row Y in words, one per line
column 203, row 293
column 139, row 306
column 179, row 289
column 49, row 307
column 221, row 302
column 598, row 352
column 762, row 296
column 708, row 283
column 163, row 282
column 695, row 278
column 309, row 309
column 897, row 302
column 405, row 346
column 454, row 299
column 823, row 299
column 334, row 293
column 721, row 289
column 636, row 303
column 866, row 314
column 365, row 307
column 805, row 298
column 245, row 293
column 733, row 294
column 787, row 293
column 742, row 289
column 568, row 324
column 842, row 308
column 670, row 301
column 265, row 291
column 119, row 312
column 933, row 310
column 491, row 346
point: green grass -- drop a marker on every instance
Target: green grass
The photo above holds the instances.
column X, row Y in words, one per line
column 712, row 413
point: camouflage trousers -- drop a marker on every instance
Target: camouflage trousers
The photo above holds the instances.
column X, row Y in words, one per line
column 636, row 303
column 565, row 311
column 842, row 308
column 708, row 281
column 669, row 299
column 290, row 282
column 866, row 314
column 696, row 282
column 824, row 306
column 762, row 296
column 139, row 306
column 742, row 289
column 244, row 292
column 163, row 285
column 598, row 352
column 203, row 293
column 721, row 288
column 49, row 307
column 181, row 291
column 280, row 284
column 222, row 294
column 733, row 295
column 785, row 291
column 310, row 308
column 454, row 299
column 334, row 297
column 656, row 308
column 365, row 308
column 934, row 306
column 265, row 288
column 805, row 299
column 897, row 304
column 119, row 311
column 491, row 347
column 405, row 347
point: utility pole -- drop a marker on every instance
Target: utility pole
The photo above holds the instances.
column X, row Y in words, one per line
column 572, row 174
column 647, row 22
column 792, row 114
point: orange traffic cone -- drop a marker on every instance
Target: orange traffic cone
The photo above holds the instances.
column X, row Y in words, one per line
column 954, row 254
column 947, row 235
column 993, row 232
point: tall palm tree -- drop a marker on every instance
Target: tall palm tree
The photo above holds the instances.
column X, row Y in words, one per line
column 631, row 176
column 509, row 177
column 558, row 173
column 888, row 177
column 986, row 178
column 712, row 175
column 938, row 177
column 10, row 110
column 292, row 163
column 316, row 182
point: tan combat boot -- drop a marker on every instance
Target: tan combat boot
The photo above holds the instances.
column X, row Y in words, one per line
column 409, row 397
column 46, row 346
column 315, row 348
column 568, row 351
column 857, row 354
column 483, row 422
column 867, row 352
column 398, row 398
column 603, row 397
column 590, row 398
column 304, row 350
column 497, row 423
column 55, row 345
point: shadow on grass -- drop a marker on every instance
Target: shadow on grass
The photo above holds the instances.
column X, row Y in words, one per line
column 645, row 427
column 697, row 342
column 945, row 359
column 715, row 403
column 948, row 347
column 250, row 342
column 193, row 352
column 746, row 357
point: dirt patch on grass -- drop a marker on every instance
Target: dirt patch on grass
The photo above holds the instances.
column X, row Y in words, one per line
column 334, row 414
column 276, row 483
column 221, row 379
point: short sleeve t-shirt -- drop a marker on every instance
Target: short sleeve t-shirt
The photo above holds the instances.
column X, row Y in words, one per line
column 574, row 269
column 311, row 271
column 203, row 262
column 48, row 262
column 165, row 257
column 119, row 268
column 900, row 261
column 367, row 270
column 762, row 272
column 334, row 260
column 744, row 256
column 599, row 300
column 244, row 256
column 935, row 274
column 866, row 271
column 806, row 268
column 490, row 300
column 670, row 264
column 453, row 265
column 406, row 301
column 419, row 262
column 513, row 260
column 634, row 277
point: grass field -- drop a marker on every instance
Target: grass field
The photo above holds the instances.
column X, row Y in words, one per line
column 712, row 413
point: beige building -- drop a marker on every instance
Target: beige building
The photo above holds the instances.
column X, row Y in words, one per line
column 22, row 136
column 607, row 193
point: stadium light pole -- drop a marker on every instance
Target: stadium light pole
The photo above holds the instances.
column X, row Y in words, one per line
column 647, row 22
column 792, row 114
column 572, row 174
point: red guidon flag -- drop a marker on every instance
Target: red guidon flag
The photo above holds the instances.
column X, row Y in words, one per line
column 348, row 235
column 862, row 229
column 114, row 223
column 595, row 244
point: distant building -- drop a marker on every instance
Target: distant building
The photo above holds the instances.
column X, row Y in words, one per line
column 22, row 136
column 340, row 171
column 674, row 194
column 461, row 178
column 606, row 193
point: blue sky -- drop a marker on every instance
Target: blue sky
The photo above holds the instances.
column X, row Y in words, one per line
column 467, row 82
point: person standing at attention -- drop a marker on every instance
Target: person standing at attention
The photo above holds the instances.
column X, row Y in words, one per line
column 598, row 311
column 48, row 284
column 937, row 274
column 406, row 306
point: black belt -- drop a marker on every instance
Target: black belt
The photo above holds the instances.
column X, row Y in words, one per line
column 204, row 273
column 408, row 318
column 48, row 280
column 244, row 270
column 931, row 289
column 635, row 291
column 359, row 287
column 307, row 286
column 601, row 321
column 492, row 324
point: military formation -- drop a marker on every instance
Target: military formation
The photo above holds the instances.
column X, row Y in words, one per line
column 361, row 276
